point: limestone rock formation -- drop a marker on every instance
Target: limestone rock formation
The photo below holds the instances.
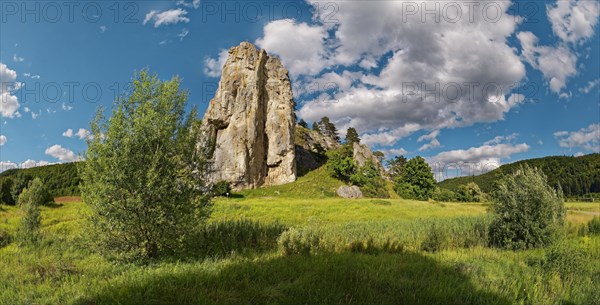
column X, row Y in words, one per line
column 349, row 192
column 248, row 129
column 362, row 154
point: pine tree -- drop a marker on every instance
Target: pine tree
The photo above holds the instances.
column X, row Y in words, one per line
column 352, row 136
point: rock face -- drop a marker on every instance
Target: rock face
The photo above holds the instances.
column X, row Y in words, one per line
column 350, row 192
column 362, row 154
column 248, row 129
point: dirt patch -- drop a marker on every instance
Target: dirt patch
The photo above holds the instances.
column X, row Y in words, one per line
column 67, row 199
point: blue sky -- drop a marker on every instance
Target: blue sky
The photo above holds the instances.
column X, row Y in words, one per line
column 60, row 62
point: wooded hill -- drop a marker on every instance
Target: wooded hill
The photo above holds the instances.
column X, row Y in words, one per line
column 576, row 175
column 61, row 179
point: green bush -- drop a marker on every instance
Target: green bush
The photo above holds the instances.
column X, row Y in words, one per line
column 528, row 212
column 221, row 188
column 30, row 200
column 436, row 240
column 470, row 192
column 369, row 180
column 444, row 195
column 340, row 163
column 143, row 178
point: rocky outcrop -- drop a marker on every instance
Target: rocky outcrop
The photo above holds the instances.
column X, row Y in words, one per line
column 248, row 129
column 362, row 154
column 349, row 192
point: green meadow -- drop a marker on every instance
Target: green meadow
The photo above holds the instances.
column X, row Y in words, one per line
column 298, row 244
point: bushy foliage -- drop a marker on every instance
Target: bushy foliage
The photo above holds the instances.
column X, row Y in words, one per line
column 591, row 228
column 30, row 200
column 416, row 180
column 327, row 128
column 5, row 238
column 445, row 195
column 303, row 123
column 565, row 259
column 6, row 197
column 296, row 241
column 221, row 188
column 470, row 193
column 60, row 179
column 342, row 166
column 340, row 163
column 143, row 175
column 395, row 167
column 528, row 211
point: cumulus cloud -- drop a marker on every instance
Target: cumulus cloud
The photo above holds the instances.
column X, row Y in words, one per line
column 6, row 165
column 573, row 20
column 61, row 153
column 172, row 16
column 394, row 152
column 501, row 139
column 31, row 163
column 82, row 134
column 587, row 138
column 3, row 140
column 9, row 104
column 434, row 75
column 213, row 67
column 300, row 46
column 557, row 64
column 432, row 138
column 472, row 161
column 193, row 3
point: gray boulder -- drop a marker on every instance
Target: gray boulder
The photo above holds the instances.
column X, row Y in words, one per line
column 349, row 192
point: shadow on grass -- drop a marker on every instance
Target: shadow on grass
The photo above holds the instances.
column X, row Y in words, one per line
column 322, row 279
column 53, row 205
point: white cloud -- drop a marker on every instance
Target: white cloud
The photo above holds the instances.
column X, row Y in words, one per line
column 193, row 3
column 82, row 134
column 213, row 67
column 62, row 154
column 35, row 115
column 103, row 28
column 9, row 104
column 35, row 77
column 590, row 86
column 579, row 154
column 432, row 138
column 6, row 165
column 573, row 21
column 183, row 33
column 472, row 161
column 587, row 138
column 172, row 16
column 502, row 139
column 68, row 133
column 394, row 152
column 66, row 107
column 557, row 64
column 299, row 45
column 3, row 140
column 384, row 105
column 17, row 58
column 31, row 163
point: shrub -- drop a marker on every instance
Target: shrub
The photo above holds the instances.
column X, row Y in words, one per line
column 445, row 195
column 30, row 200
column 593, row 227
column 221, row 188
column 340, row 163
column 470, row 192
column 528, row 212
column 436, row 240
column 143, row 174
column 370, row 181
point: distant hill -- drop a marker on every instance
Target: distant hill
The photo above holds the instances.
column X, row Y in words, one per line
column 576, row 175
column 61, row 179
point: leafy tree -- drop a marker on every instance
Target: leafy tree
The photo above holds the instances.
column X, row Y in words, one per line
column 19, row 184
column 528, row 212
column 5, row 191
column 379, row 155
column 396, row 167
column 470, row 193
column 328, row 128
column 143, row 177
column 352, row 136
column 416, row 181
column 445, row 195
column 303, row 123
column 369, row 180
column 30, row 200
column 315, row 127
column 340, row 163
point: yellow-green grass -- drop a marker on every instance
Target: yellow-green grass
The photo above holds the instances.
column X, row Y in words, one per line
column 62, row 270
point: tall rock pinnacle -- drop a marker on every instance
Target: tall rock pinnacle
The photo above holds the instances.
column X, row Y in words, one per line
column 248, row 128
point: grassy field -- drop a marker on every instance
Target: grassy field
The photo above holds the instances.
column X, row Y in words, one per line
column 367, row 251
